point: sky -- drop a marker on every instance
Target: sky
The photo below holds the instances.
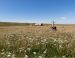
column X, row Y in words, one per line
column 38, row 11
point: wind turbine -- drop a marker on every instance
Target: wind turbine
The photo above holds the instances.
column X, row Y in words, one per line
column 53, row 27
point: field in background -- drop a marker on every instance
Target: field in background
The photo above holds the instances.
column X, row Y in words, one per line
column 15, row 27
column 60, row 28
column 27, row 41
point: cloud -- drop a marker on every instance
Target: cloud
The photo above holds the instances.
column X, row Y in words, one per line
column 63, row 18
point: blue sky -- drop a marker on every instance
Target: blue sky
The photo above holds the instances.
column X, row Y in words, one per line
column 40, row 11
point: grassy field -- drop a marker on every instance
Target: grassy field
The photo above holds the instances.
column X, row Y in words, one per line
column 37, row 42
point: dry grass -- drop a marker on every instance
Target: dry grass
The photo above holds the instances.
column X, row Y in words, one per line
column 60, row 28
column 37, row 42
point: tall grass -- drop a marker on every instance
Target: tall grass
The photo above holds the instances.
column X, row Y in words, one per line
column 29, row 45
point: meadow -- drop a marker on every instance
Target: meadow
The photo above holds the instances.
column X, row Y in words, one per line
column 37, row 42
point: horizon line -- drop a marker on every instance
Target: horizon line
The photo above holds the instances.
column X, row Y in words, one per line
column 33, row 22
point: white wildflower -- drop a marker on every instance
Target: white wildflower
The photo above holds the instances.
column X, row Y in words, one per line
column 38, row 43
column 45, row 51
column 40, row 57
column 28, row 49
column 26, row 56
column 66, row 41
column 3, row 53
column 63, row 57
column 27, row 37
column 44, row 40
column 20, row 49
column 60, row 46
column 2, row 50
column 34, row 53
column 25, row 50
column 60, row 41
column 8, row 55
column 13, row 56
column 54, row 57
column 55, row 40
column 30, row 38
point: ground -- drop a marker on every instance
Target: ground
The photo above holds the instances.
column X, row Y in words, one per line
column 37, row 41
column 61, row 28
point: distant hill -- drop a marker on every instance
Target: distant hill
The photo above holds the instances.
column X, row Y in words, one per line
column 14, row 24
column 28, row 24
column 18, row 24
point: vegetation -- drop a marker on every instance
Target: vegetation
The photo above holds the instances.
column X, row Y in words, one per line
column 36, row 42
column 14, row 24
